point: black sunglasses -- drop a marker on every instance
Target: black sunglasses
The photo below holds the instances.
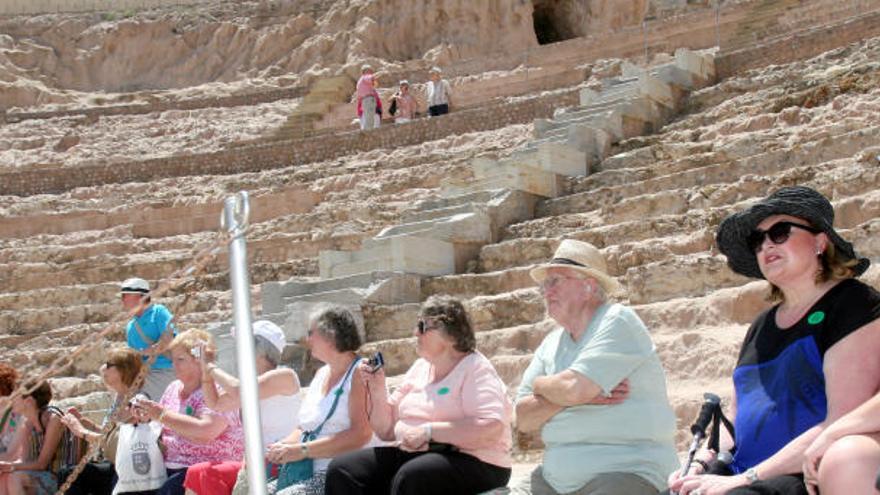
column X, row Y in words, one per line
column 423, row 327
column 778, row 233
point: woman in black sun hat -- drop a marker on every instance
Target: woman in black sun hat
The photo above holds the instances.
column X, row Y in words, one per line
column 806, row 361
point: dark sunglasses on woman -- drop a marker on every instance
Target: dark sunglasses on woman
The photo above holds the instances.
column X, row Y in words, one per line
column 778, row 233
column 423, row 326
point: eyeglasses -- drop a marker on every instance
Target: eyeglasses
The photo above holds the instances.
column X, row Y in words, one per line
column 423, row 326
column 778, row 233
column 552, row 281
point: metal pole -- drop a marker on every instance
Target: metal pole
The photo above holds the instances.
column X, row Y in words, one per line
column 236, row 210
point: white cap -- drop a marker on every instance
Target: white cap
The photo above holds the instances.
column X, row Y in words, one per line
column 270, row 332
column 135, row 286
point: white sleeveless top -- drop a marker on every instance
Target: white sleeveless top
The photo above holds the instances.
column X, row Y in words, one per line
column 315, row 408
column 279, row 416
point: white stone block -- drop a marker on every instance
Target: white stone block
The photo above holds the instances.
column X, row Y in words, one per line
column 700, row 66
column 676, row 76
column 656, row 90
column 562, row 159
column 629, row 69
column 587, row 96
column 541, row 126
column 405, row 253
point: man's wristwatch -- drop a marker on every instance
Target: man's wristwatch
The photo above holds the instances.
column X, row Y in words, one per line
column 751, row 474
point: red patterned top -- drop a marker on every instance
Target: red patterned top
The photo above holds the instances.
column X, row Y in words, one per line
column 182, row 452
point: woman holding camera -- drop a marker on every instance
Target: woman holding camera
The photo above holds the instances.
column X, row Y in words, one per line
column 119, row 373
column 450, row 418
column 333, row 411
column 806, row 361
column 278, row 390
column 192, row 432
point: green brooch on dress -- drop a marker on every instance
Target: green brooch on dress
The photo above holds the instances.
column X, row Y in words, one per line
column 816, row 318
column 443, row 391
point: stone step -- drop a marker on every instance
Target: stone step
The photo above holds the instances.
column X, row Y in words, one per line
column 403, row 253
column 864, row 177
column 486, row 312
column 152, row 221
column 28, row 321
column 768, row 163
column 378, row 287
column 154, row 265
column 401, row 353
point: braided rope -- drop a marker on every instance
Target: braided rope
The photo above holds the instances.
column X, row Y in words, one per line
column 179, row 279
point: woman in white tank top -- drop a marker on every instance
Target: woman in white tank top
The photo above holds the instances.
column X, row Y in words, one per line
column 279, row 393
column 333, row 339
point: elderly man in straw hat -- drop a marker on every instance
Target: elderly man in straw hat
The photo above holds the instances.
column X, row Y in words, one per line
column 595, row 387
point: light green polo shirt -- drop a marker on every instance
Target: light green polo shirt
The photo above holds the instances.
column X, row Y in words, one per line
column 636, row 436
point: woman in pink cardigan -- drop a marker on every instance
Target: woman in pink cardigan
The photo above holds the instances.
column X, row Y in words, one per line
column 449, row 419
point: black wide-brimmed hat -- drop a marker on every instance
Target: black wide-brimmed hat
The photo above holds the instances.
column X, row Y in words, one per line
column 798, row 201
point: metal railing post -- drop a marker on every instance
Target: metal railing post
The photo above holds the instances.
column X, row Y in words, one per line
column 236, row 210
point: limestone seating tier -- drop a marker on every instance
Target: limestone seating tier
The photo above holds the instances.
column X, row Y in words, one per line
column 158, row 222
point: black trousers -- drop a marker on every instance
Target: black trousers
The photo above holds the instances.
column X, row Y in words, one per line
column 438, row 110
column 389, row 470
column 97, row 478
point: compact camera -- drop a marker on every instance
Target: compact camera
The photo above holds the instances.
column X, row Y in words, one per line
column 375, row 362
column 137, row 399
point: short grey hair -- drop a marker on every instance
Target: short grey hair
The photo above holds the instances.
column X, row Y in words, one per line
column 599, row 293
column 338, row 325
column 262, row 347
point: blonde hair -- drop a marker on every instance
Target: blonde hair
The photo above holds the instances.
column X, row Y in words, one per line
column 191, row 339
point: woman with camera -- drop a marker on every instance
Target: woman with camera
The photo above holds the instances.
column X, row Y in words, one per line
column 278, row 390
column 450, row 418
column 806, row 361
column 119, row 373
column 192, row 432
column 332, row 416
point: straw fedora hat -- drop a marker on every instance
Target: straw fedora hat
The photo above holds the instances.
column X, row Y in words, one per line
column 581, row 257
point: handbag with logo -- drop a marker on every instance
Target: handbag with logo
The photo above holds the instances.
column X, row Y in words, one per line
column 303, row 469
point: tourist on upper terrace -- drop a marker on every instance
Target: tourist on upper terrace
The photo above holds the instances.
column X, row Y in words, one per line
column 439, row 93
column 403, row 104
column 150, row 324
column 118, row 372
column 595, row 388
column 30, row 464
column 368, row 99
column 278, row 389
column 806, row 361
column 333, row 415
column 192, row 432
column 8, row 419
column 450, row 418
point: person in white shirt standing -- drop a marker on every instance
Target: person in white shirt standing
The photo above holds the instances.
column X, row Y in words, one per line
column 439, row 93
